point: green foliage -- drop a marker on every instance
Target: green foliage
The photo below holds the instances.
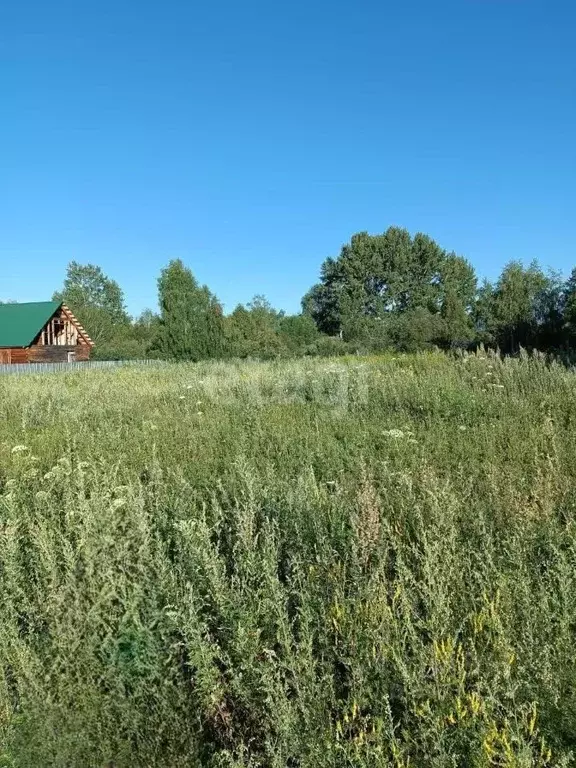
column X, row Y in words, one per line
column 416, row 329
column 95, row 299
column 569, row 308
column 298, row 333
column 259, row 331
column 385, row 289
column 253, row 331
column 190, row 325
column 383, row 292
column 510, row 311
column 455, row 328
column 364, row 562
column 98, row 302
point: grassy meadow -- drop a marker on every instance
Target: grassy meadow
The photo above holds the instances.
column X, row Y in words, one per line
column 356, row 562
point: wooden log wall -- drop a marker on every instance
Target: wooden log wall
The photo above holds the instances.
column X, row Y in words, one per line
column 18, row 356
column 58, row 354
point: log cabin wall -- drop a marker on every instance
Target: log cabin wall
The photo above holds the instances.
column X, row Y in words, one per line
column 44, row 354
column 58, row 354
column 18, row 356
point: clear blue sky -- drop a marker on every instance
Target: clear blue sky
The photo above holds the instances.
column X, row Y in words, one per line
column 251, row 139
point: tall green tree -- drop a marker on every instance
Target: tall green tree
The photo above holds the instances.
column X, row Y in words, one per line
column 323, row 302
column 374, row 276
column 569, row 309
column 191, row 323
column 458, row 289
column 552, row 333
column 380, row 284
column 96, row 299
column 483, row 314
column 513, row 317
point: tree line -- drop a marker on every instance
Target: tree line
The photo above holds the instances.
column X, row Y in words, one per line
column 388, row 291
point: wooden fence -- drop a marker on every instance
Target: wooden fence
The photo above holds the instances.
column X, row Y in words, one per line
column 28, row 368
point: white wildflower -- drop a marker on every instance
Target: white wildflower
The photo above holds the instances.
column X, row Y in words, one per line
column 118, row 503
column 182, row 397
column 199, row 413
column 20, row 449
column 396, row 433
column 462, row 428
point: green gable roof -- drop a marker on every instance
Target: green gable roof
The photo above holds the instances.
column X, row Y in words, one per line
column 21, row 323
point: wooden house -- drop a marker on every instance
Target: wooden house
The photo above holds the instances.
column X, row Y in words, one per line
column 41, row 332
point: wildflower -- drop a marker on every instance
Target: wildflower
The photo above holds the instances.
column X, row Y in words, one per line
column 190, row 386
column 182, row 397
column 20, row 449
column 198, row 402
column 396, row 433
column 198, row 413
column 83, row 465
column 462, row 428
column 118, row 503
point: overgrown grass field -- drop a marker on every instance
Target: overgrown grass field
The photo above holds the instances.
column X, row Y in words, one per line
column 368, row 562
